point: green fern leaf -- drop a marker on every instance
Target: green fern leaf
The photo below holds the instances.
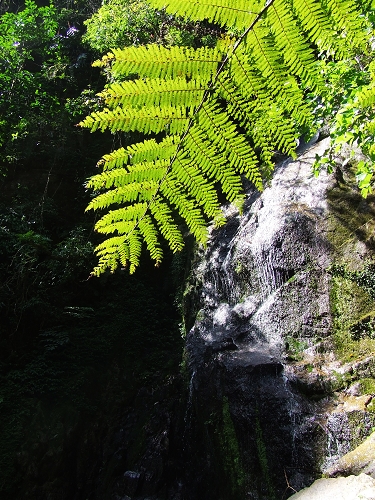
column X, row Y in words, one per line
column 223, row 133
column 131, row 214
column 156, row 61
column 345, row 16
column 168, row 228
column 296, row 52
column 197, row 185
column 145, row 171
column 110, row 253
column 135, row 250
column 155, row 93
column 174, row 192
column 212, row 109
column 239, row 15
column 113, row 160
column 150, row 233
column 151, row 120
column 319, row 26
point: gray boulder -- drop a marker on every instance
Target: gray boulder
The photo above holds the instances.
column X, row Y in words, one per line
column 360, row 487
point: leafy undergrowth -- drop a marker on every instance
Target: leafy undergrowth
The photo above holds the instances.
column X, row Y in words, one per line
column 81, row 373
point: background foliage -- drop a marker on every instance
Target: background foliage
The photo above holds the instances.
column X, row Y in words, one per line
column 74, row 352
column 120, row 23
column 346, row 111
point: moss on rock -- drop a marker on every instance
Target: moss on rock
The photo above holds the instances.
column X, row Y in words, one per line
column 367, row 386
column 349, row 304
column 230, row 452
column 350, row 232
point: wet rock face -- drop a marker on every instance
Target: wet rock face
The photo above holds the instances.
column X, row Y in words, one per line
column 261, row 352
column 359, row 460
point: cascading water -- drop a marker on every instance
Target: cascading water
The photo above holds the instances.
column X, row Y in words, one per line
column 264, row 305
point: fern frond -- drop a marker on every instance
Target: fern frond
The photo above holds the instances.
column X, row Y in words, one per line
column 296, row 52
column 150, row 120
column 223, row 133
column 150, row 233
column 270, row 127
column 213, row 109
column 145, row 171
column 151, row 150
column 319, row 26
column 174, row 192
column 241, row 83
column 110, row 253
column 237, row 15
column 258, row 70
column 267, row 59
column 155, row 92
column 156, row 61
column 189, row 174
column 131, row 214
column 249, row 81
column 345, row 16
column 113, row 160
column 168, row 228
column 121, row 227
column 148, row 150
column 273, row 132
column 135, row 250
column 212, row 162
column 128, row 193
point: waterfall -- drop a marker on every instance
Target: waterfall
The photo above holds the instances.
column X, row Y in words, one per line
column 264, row 308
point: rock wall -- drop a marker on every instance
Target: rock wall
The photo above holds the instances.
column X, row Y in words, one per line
column 279, row 350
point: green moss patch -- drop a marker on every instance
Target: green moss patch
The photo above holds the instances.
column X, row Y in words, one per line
column 262, row 455
column 367, row 386
column 230, row 451
column 352, row 309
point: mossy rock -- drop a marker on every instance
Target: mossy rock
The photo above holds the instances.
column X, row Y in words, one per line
column 367, row 386
column 350, row 233
column 350, row 304
column 361, row 459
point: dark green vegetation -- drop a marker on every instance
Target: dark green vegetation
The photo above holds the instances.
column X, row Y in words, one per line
column 82, row 371
column 120, row 23
column 74, row 351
